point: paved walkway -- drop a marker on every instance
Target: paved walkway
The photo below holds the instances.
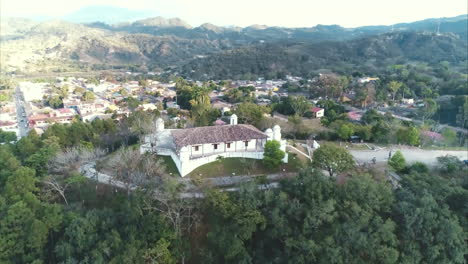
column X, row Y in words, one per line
column 191, row 190
column 227, row 183
column 411, row 155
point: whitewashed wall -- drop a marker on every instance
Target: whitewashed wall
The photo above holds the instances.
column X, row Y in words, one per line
column 188, row 161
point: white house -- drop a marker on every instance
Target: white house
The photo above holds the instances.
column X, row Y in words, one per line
column 10, row 126
column 407, row 101
column 193, row 147
column 317, row 112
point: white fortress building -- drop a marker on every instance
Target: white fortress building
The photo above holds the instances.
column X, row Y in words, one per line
column 191, row 148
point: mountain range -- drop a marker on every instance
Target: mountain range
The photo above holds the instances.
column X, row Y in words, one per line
column 56, row 45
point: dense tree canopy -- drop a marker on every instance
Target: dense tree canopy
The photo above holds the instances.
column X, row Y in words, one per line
column 306, row 218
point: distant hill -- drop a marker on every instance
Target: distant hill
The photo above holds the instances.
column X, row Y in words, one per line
column 367, row 54
column 210, row 50
column 61, row 46
column 256, row 33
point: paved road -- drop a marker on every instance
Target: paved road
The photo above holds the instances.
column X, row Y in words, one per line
column 441, row 126
column 21, row 114
column 411, row 155
column 89, row 172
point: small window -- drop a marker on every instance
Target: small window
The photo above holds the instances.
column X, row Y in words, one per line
column 246, row 143
column 197, row 148
column 228, row 145
column 215, row 146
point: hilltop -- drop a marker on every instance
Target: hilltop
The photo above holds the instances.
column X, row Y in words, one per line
column 58, row 45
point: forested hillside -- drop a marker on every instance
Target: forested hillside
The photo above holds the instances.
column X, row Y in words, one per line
column 50, row 213
column 158, row 43
column 369, row 55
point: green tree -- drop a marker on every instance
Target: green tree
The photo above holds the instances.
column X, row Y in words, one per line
column 364, row 132
column 428, row 231
column 450, row 136
column 27, row 146
column 250, row 113
column 55, row 102
column 64, row 91
column 6, row 136
column 462, row 115
column 450, row 165
column 397, row 161
column 371, row 117
column 332, row 158
column 88, row 96
column 296, row 124
column 345, row 131
column 79, row 90
column 410, row 136
column 428, row 110
column 26, row 222
column 160, row 253
column 8, row 164
column 393, row 87
column 380, row 131
column 233, row 224
column 272, row 155
column 300, row 105
column 132, row 103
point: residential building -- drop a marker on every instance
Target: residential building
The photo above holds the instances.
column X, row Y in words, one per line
column 10, row 126
column 407, row 101
column 317, row 112
column 222, row 106
column 354, row 116
column 43, row 120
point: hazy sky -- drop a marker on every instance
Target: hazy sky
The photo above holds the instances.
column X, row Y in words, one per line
column 291, row 13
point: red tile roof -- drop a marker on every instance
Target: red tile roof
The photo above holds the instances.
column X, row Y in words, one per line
column 65, row 110
column 38, row 117
column 215, row 134
column 354, row 116
column 316, row 109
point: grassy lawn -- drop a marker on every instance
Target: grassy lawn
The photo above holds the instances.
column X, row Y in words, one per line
column 224, row 167
column 241, row 166
column 314, row 124
column 171, row 168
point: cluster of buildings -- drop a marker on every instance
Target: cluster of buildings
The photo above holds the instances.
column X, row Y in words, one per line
column 37, row 113
column 105, row 101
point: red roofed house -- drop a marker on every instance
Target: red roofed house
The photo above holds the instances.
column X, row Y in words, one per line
column 9, row 126
column 63, row 116
column 354, row 116
column 318, row 112
column 190, row 148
